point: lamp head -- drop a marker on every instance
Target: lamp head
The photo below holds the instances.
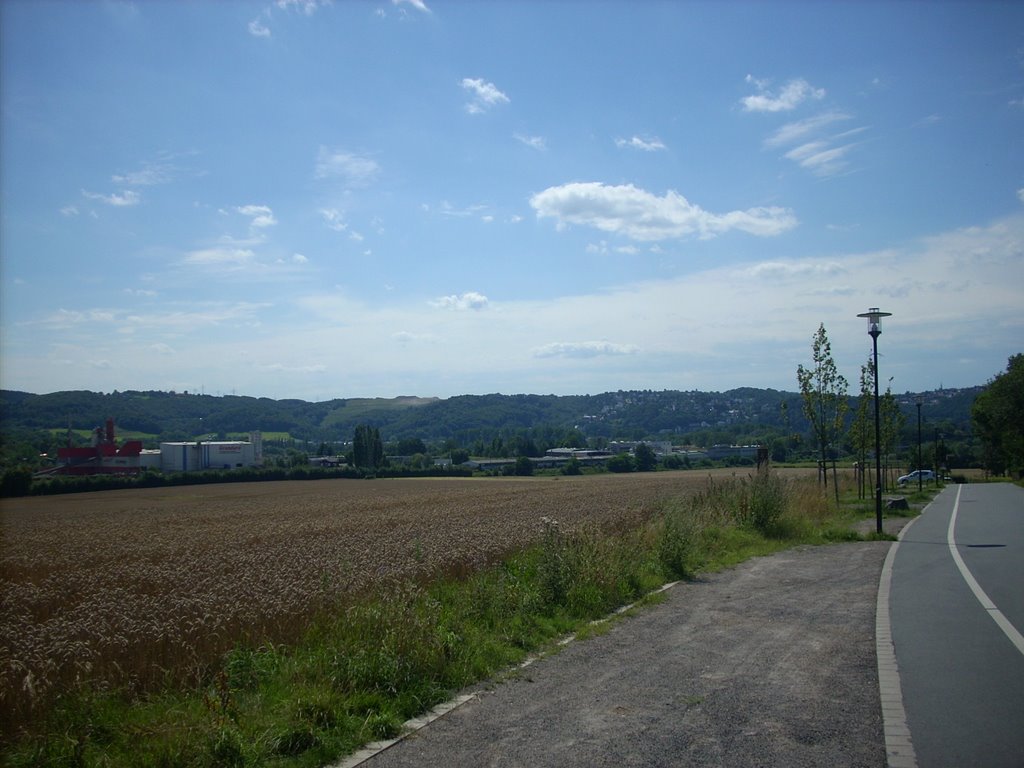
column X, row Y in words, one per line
column 874, row 316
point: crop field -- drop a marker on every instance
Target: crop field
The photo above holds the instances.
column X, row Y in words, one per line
column 138, row 588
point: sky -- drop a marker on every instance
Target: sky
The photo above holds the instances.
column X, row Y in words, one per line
column 316, row 200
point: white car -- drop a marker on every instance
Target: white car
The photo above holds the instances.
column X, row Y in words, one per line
column 924, row 474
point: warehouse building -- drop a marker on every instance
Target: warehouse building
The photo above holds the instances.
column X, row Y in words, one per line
column 214, row 454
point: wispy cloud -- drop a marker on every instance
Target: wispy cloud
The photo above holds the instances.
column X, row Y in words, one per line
column 307, row 7
column 789, row 270
column 150, row 173
column 419, row 5
column 447, row 209
column 260, row 26
column 220, row 257
column 261, row 216
column 484, row 95
column 820, row 159
column 646, row 145
column 789, row 97
column 534, row 142
column 801, row 129
column 127, row 198
column 641, row 215
column 584, row 349
column 294, row 368
column 334, row 219
column 352, row 169
column 462, row 302
column 171, row 318
column 816, row 151
column 745, row 329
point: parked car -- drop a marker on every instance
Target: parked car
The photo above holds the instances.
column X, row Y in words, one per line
column 924, row 474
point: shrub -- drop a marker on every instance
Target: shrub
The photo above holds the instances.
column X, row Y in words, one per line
column 676, row 544
column 16, row 482
column 621, row 463
column 768, row 502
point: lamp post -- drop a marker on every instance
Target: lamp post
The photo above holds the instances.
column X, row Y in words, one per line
column 920, row 480
column 874, row 317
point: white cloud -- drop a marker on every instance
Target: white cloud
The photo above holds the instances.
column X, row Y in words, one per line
column 745, row 323
column 471, row 300
column 69, row 210
column 484, row 95
column 419, row 5
column 1020, row 194
column 646, row 145
column 334, row 219
column 640, row 215
column 307, row 7
column 282, row 368
column 447, row 209
column 354, row 170
column 407, row 337
column 820, row 159
column 257, row 28
column 792, row 94
column 787, row 270
column 822, row 155
column 127, row 198
column 171, row 318
column 584, row 349
column 261, row 215
column 220, row 257
column 260, row 26
column 797, row 131
column 534, row 142
column 150, row 174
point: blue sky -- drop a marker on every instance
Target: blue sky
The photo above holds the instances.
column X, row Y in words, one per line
column 315, row 200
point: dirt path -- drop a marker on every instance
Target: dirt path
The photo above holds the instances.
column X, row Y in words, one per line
column 771, row 663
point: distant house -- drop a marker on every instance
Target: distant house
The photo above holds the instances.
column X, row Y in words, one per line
column 326, row 461
column 719, row 452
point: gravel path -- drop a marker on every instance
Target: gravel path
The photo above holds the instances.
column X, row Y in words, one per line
column 771, row 663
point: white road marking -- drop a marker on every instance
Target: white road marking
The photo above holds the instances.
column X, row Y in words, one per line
column 997, row 616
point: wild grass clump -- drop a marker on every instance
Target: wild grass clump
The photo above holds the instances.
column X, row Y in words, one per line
column 367, row 664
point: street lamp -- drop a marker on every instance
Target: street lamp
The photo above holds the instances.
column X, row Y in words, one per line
column 874, row 317
column 920, row 480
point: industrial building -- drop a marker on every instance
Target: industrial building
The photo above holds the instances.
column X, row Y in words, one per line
column 105, row 457
column 221, row 454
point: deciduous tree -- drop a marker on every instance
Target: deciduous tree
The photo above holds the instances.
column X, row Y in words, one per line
column 862, row 430
column 998, row 416
column 645, row 458
column 823, row 393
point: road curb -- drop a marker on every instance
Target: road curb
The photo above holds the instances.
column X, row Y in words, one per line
column 899, row 748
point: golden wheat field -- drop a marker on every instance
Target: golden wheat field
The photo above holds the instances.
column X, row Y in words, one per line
column 137, row 587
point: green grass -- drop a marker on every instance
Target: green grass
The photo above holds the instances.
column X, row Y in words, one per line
column 366, row 666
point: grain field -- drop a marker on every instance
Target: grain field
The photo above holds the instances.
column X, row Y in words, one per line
column 138, row 587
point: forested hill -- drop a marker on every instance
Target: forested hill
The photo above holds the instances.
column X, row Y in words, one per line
column 633, row 414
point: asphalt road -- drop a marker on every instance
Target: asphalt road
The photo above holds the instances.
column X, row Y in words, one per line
column 959, row 650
